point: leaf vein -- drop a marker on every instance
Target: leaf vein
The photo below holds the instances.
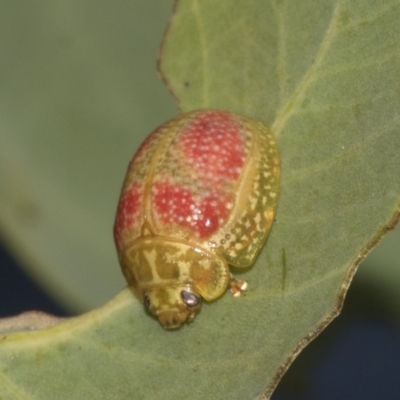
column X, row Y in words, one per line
column 204, row 52
column 369, row 18
column 12, row 387
column 327, row 163
column 286, row 111
column 281, row 57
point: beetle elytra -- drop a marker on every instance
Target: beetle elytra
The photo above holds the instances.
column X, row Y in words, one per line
column 200, row 194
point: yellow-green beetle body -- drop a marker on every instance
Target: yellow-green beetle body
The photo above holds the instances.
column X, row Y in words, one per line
column 200, row 193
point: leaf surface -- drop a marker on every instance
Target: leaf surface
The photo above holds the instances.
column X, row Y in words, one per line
column 324, row 77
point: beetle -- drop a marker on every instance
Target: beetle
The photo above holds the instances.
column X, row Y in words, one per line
column 200, row 194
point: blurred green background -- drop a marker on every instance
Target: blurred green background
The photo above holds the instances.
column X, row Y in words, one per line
column 79, row 91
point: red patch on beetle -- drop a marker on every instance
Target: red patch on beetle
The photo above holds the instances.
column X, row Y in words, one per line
column 128, row 211
column 213, row 146
column 177, row 205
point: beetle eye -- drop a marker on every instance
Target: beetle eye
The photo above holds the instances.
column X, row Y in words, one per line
column 190, row 299
column 146, row 302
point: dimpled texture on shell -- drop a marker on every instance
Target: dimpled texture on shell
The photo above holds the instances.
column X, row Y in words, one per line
column 209, row 178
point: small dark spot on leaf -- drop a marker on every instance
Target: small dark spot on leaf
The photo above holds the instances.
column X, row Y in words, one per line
column 357, row 111
column 344, row 18
column 27, row 213
column 64, row 41
column 284, row 269
column 305, row 103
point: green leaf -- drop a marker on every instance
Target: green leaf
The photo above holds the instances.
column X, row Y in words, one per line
column 324, row 76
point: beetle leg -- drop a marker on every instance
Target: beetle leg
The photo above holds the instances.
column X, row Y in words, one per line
column 238, row 288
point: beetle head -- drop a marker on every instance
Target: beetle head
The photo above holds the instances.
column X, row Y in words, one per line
column 172, row 305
